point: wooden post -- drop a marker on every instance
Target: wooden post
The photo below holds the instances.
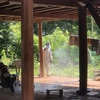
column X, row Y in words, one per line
column 27, row 50
column 40, row 49
column 82, row 49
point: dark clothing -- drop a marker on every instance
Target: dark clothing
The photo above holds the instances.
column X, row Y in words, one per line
column 6, row 79
column 4, row 71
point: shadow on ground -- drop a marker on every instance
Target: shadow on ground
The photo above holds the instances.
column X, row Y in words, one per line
column 68, row 85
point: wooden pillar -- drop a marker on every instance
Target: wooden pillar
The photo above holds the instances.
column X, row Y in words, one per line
column 27, row 50
column 82, row 50
column 40, row 49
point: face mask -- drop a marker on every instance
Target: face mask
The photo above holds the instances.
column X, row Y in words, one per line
column 47, row 47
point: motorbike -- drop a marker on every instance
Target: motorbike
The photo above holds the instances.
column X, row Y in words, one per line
column 8, row 82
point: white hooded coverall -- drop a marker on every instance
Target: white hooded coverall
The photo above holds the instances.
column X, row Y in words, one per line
column 47, row 58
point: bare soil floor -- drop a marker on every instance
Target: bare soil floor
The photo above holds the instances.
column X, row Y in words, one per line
column 68, row 85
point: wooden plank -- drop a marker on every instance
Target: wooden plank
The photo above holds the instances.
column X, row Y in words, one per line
column 40, row 49
column 49, row 2
column 82, row 50
column 94, row 13
column 49, row 11
column 27, row 50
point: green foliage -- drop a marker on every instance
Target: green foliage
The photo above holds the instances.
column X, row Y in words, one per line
column 57, row 39
column 72, row 71
column 16, row 44
column 6, row 38
column 55, row 32
column 95, row 60
column 4, row 58
column 65, row 71
column 49, row 27
column 36, row 47
column 93, row 29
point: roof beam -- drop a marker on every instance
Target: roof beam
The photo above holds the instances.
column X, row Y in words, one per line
column 53, row 2
column 3, row 3
column 49, row 2
column 61, row 11
column 66, row 16
column 9, row 13
column 47, row 10
column 17, row 14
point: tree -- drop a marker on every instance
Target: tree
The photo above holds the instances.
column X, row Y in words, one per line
column 16, row 44
column 5, row 37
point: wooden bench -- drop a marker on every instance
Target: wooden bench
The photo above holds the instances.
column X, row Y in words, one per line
column 60, row 92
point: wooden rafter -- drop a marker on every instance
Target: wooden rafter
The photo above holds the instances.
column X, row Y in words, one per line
column 49, row 2
column 49, row 9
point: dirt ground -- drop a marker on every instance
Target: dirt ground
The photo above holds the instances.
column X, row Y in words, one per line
column 68, row 85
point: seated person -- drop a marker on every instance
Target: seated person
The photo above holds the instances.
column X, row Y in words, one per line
column 6, row 79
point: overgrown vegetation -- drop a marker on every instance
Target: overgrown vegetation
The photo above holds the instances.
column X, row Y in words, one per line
column 65, row 57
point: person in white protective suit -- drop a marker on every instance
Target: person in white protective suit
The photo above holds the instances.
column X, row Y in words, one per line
column 47, row 58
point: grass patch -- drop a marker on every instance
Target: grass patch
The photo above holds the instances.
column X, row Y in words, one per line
column 72, row 71
column 66, row 71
